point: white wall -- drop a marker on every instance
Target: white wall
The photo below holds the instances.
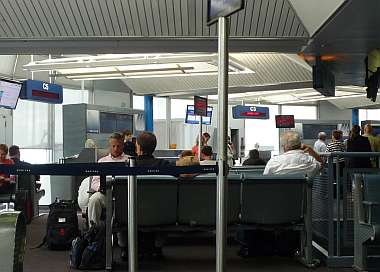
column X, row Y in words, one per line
column 328, row 111
column 6, row 127
column 112, row 99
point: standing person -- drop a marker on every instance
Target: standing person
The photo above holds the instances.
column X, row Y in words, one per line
column 230, row 152
column 320, row 144
column 337, row 146
column 373, row 140
column 195, row 148
column 254, row 158
column 358, row 143
column 206, row 138
column 6, row 184
column 129, row 145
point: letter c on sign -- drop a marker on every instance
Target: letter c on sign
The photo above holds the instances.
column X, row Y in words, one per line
column 252, row 108
column 45, row 86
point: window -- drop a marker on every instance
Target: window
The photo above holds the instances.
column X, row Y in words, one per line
column 178, row 108
column 300, row 112
column 370, row 114
column 138, row 102
column 159, row 108
column 262, row 132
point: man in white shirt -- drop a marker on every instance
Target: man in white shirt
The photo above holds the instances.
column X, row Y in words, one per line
column 297, row 159
column 97, row 200
column 320, row 145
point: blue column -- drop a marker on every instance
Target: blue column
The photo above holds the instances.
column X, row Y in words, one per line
column 148, row 108
column 355, row 117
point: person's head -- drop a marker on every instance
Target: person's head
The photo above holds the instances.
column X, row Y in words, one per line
column 206, row 137
column 146, row 143
column 127, row 135
column 322, row 136
column 186, row 153
column 254, row 154
column 3, row 151
column 187, row 161
column 355, row 131
column 90, row 143
column 337, row 135
column 14, row 152
column 291, row 140
column 116, row 145
column 368, row 130
column 206, row 152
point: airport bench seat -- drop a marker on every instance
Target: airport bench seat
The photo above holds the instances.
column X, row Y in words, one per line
column 156, row 201
column 366, row 216
column 273, row 200
column 197, row 200
column 279, row 202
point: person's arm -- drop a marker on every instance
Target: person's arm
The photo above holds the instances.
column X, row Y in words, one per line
column 312, row 153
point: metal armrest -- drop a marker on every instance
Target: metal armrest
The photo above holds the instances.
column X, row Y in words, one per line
column 370, row 205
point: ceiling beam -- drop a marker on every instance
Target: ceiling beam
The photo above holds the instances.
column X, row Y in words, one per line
column 126, row 45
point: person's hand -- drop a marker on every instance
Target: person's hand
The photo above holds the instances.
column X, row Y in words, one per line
column 305, row 147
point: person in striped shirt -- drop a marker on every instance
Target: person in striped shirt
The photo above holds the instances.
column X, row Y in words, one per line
column 337, row 146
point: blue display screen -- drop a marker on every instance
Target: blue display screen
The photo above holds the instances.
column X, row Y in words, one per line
column 250, row 112
column 191, row 118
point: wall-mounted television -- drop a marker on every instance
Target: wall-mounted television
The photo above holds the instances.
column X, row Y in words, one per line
column 9, row 93
column 191, row 118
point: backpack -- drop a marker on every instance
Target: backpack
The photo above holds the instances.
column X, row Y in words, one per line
column 88, row 250
column 62, row 224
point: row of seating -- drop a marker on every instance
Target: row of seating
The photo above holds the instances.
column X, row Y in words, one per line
column 366, row 219
column 254, row 202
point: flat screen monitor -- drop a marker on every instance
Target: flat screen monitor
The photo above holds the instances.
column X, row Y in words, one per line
column 114, row 122
column 310, row 131
column 9, row 93
column 191, row 118
column 285, row 121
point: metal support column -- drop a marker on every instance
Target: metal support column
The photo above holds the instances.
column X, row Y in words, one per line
column 338, row 184
column 222, row 143
column 109, row 213
column 200, row 138
column 132, row 222
column 330, row 199
column 355, row 117
column 148, row 108
column 168, row 122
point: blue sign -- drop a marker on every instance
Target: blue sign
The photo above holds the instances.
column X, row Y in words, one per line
column 250, row 112
column 36, row 90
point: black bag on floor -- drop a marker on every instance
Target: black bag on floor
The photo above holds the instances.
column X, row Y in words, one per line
column 62, row 224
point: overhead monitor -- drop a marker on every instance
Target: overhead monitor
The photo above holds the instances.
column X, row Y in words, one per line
column 9, row 93
column 191, row 118
column 222, row 8
column 310, row 131
column 323, row 80
column 285, row 121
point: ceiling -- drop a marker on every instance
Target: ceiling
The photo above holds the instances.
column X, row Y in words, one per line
column 130, row 26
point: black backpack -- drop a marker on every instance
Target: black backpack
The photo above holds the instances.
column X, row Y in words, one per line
column 62, row 224
column 88, row 250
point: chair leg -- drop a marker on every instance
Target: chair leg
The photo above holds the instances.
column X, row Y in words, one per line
column 360, row 258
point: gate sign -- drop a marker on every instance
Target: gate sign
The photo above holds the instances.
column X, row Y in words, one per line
column 222, row 8
column 200, row 106
column 250, row 112
column 36, row 90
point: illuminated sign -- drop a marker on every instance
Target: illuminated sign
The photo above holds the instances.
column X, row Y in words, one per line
column 284, row 121
column 250, row 112
column 200, row 106
column 193, row 119
column 36, row 90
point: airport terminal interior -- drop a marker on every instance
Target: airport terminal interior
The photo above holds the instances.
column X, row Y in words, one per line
column 283, row 175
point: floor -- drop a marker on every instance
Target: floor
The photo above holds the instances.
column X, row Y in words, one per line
column 198, row 257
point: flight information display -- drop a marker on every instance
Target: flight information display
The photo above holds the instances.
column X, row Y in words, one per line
column 285, row 121
column 9, row 93
column 250, row 112
column 191, row 118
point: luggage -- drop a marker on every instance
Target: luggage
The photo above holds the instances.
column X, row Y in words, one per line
column 62, row 225
column 88, row 250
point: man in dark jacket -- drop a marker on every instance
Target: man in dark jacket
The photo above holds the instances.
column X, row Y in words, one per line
column 358, row 143
column 254, row 158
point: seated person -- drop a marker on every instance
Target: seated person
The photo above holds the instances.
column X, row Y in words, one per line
column 187, row 159
column 129, row 145
column 14, row 155
column 206, row 155
column 297, row 159
column 96, row 201
column 7, row 184
column 254, row 158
